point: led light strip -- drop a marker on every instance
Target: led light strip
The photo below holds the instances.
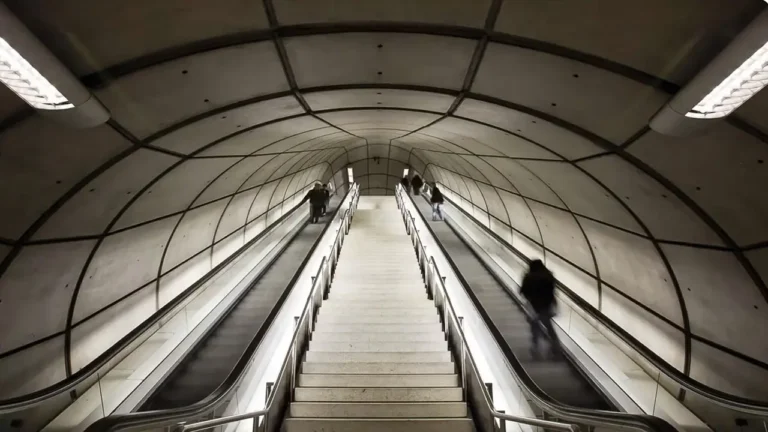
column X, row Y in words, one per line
column 24, row 80
column 732, row 92
column 350, row 176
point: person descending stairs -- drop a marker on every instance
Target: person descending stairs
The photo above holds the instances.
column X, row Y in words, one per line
column 378, row 359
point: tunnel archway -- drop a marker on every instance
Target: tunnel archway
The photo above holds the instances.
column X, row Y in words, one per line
column 543, row 135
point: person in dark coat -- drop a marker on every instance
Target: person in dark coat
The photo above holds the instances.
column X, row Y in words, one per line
column 316, row 199
column 539, row 290
column 417, row 184
column 437, row 201
column 326, row 198
column 405, row 184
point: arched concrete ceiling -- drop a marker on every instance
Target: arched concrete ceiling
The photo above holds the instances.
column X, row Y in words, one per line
column 532, row 115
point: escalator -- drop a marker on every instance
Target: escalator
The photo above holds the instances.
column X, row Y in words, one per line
column 558, row 377
column 209, row 363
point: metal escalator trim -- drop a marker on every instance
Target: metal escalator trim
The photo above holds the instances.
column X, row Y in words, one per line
column 22, row 402
column 164, row 417
column 210, row 331
column 537, row 395
column 727, row 400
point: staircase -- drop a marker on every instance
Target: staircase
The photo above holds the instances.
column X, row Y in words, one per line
column 378, row 359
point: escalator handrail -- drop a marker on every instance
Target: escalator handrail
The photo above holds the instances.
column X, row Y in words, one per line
column 526, row 383
column 68, row 384
column 169, row 417
column 727, row 400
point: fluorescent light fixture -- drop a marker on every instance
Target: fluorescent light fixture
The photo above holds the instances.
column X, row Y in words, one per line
column 24, row 80
column 350, row 175
column 737, row 88
column 405, row 172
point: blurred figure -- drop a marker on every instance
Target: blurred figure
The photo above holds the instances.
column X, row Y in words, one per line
column 326, row 198
column 539, row 289
column 417, row 184
column 405, row 184
column 316, row 198
column 437, row 201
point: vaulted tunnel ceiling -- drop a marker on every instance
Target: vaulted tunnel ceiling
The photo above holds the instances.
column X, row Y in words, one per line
column 532, row 115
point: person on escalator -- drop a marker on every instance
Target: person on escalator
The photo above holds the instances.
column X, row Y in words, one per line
column 316, row 199
column 416, row 184
column 405, row 184
column 539, row 290
column 326, row 198
column 437, row 201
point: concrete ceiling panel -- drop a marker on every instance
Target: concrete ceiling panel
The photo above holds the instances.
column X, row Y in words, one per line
column 602, row 102
column 163, row 95
column 562, row 141
column 175, row 191
column 657, row 335
column 584, row 285
column 396, row 119
column 379, row 150
column 582, row 194
column 724, row 172
column 31, row 369
column 263, row 137
column 194, row 234
column 47, row 160
column 493, row 202
column 501, row 142
column 525, row 183
column 4, row 251
column 632, row 265
column 376, row 181
column 431, row 143
column 358, row 154
column 182, row 277
column 124, row 262
column 744, row 379
column 355, row 58
column 520, row 215
column 194, row 136
column 469, row 13
column 267, row 171
column 108, row 327
column 262, row 202
column 688, row 32
column 660, row 210
column 753, row 111
column 36, row 289
column 759, row 260
column 91, row 209
column 489, row 173
column 232, row 179
column 382, row 98
column 313, row 139
column 235, row 214
column 379, row 136
column 563, row 236
column 11, row 105
column 399, row 153
column 91, row 35
column 714, row 284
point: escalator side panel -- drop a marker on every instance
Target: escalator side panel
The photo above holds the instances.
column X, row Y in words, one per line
column 211, row 361
column 558, row 378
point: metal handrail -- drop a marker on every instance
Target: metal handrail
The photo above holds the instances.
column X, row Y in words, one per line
column 172, row 417
column 70, row 383
column 536, row 394
column 727, row 400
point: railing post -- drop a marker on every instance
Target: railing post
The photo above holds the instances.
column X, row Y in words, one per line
column 266, row 423
column 502, row 422
column 294, row 360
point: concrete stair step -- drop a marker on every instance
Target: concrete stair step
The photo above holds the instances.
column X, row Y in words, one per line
column 382, row 368
column 378, row 337
column 390, row 312
column 369, row 357
column 385, row 304
column 376, row 394
column 377, row 328
column 379, row 410
column 373, row 319
column 377, row 425
column 379, row 346
column 391, row 380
